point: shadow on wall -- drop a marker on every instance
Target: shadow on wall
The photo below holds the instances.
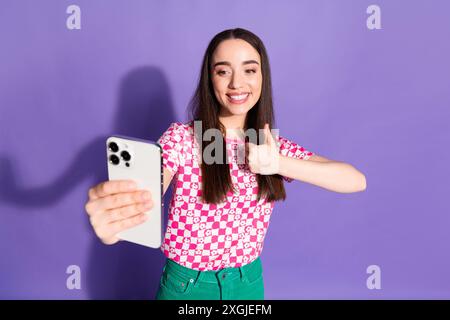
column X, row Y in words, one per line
column 123, row 270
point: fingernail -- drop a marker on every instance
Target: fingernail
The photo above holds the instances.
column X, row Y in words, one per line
column 147, row 204
column 131, row 185
column 146, row 195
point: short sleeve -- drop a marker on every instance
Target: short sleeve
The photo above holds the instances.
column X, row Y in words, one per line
column 171, row 144
column 291, row 149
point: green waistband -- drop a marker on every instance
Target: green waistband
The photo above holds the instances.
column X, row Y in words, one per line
column 212, row 275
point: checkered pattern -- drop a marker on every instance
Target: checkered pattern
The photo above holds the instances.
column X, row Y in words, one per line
column 204, row 236
column 293, row 150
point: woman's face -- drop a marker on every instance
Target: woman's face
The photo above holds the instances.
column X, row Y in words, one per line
column 236, row 76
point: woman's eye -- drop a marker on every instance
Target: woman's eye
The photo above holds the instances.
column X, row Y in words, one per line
column 223, row 72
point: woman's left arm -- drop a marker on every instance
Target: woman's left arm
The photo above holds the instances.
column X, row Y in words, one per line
column 329, row 174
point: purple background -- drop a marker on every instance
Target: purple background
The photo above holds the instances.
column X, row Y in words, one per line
column 377, row 99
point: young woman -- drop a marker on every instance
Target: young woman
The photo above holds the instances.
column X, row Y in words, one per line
column 220, row 210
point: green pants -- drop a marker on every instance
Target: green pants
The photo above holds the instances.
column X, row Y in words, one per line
column 181, row 283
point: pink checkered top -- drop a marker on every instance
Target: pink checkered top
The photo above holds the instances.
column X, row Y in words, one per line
column 205, row 236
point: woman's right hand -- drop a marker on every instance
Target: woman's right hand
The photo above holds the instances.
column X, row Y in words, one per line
column 116, row 205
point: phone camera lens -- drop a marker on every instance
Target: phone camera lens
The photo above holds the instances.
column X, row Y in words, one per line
column 125, row 155
column 114, row 159
column 113, row 147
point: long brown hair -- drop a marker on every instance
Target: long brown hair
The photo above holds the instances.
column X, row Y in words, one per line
column 204, row 107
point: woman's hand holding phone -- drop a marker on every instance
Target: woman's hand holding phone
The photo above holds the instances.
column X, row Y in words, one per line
column 114, row 206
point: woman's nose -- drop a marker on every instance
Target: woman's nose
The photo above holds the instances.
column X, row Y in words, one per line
column 236, row 81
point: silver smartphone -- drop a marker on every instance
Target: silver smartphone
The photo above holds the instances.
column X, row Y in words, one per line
column 139, row 160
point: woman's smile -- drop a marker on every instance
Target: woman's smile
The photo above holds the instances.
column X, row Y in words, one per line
column 238, row 98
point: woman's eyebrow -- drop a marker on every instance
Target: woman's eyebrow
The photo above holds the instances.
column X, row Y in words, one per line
column 226, row 63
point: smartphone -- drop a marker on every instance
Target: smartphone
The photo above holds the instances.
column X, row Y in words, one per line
column 139, row 160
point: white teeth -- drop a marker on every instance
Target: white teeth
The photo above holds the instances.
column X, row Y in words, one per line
column 241, row 97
